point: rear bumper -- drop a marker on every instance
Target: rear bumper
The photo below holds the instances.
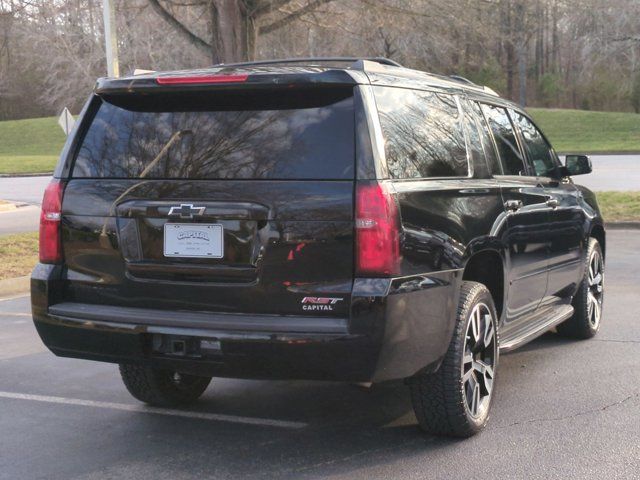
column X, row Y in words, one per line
column 241, row 346
column 397, row 327
column 277, row 356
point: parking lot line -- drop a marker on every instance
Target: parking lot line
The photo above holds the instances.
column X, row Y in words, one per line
column 15, row 297
column 266, row 422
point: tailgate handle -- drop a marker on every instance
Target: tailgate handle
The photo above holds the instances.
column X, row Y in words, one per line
column 192, row 208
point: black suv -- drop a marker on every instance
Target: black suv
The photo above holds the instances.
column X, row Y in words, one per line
column 313, row 219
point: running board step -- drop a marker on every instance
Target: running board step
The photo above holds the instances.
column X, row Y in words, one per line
column 537, row 328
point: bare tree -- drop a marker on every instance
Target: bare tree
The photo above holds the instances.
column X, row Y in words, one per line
column 235, row 24
column 562, row 53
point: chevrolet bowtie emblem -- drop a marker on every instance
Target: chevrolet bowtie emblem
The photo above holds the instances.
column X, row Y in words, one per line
column 186, row 210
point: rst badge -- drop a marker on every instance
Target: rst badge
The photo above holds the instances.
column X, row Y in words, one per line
column 319, row 303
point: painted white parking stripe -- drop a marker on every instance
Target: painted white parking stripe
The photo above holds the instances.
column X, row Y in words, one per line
column 159, row 411
column 6, row 299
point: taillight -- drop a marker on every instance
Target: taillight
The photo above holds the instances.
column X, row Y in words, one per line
column 50, row 241
column 377, row 231
column 195, row 79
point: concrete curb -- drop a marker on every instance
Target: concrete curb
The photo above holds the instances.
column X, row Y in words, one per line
column 622, row 225
column 15, row 286
column 11, row 175
column 12, row 206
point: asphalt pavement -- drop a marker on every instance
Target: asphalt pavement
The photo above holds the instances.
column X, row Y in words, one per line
column 564, row 409
column 27, row 193
column 21, row 220
column 27, row 190
column 612, row 172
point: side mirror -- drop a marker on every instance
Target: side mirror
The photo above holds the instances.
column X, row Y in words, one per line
column 578, row 164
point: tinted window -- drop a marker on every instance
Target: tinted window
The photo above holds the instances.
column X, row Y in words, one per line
column 422, row 132
column 482, row 151
column 247, row 136
column 487, row 141
column 510, row 156
column 538, row 149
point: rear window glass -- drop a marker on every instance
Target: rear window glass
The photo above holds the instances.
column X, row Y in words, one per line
column 301, row 135
column 423, row 133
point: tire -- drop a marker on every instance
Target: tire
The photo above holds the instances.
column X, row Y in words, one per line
column 162, row 388
column 456, row 399
column 587, row 302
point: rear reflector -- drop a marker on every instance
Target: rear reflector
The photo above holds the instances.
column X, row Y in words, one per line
column 50, row 216
column 377, row 231
column 195, row 79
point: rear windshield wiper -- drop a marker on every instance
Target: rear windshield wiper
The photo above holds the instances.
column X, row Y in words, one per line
column 174, row 138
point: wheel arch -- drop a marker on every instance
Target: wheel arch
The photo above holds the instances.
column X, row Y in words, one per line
column 487, row 267
column 597, row 232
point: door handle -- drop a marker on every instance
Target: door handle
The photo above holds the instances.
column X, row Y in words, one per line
column 513, row 205
column 552, row 202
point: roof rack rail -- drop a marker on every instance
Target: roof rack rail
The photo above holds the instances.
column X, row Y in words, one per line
column 380, row 60
column 462, row 79
column 487, row 90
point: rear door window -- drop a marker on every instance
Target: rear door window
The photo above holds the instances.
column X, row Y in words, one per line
column 481, row 146
column 423, row 133
column 510, row 155
column 221, row 136
column 487, row 141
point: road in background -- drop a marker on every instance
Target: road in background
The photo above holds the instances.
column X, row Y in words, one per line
column 23, row 189
column 21, row 220
column 27, row 192
column 610, row 172
column 563, row 409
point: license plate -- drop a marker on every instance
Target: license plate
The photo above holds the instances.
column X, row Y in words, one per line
column 193, row 240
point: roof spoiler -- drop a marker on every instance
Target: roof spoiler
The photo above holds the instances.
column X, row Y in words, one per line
column 223, row 79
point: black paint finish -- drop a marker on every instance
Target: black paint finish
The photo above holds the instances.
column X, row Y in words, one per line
column 290, row 239
column 277, row 251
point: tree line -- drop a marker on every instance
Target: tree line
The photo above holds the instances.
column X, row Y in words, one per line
column 554, row 53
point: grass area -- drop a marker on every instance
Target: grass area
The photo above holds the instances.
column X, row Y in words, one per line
column 19, row 254
column 589, row 132
column 30, row 146
column 33, row 146
column 619, row 206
